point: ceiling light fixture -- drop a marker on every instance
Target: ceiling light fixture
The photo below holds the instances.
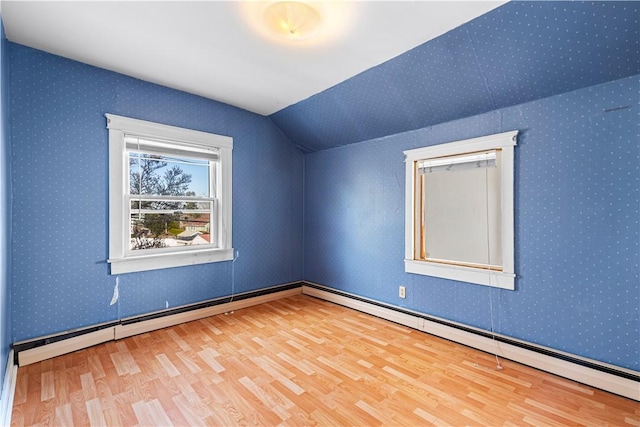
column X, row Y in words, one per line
column 300, row 23
column 293, row 20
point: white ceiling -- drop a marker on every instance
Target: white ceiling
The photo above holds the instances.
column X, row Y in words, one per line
column 214, row 48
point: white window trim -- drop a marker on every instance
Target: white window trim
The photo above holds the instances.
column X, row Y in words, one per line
column 120, row 259
column 504, row 279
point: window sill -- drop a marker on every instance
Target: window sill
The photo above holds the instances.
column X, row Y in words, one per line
column 169, row 260
column 496, row 279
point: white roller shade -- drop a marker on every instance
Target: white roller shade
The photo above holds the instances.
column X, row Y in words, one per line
column 458, row 163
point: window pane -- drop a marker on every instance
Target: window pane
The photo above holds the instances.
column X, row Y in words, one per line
column 462, row 216
column 154, row 224
column 168, row 176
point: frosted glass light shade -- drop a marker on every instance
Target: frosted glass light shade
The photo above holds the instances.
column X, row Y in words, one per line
column 294, row 20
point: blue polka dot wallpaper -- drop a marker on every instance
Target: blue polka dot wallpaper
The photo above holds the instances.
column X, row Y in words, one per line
column 518, row 52
column 5, row 212
column 60, row 276
column 577, row 199
column 319, row 187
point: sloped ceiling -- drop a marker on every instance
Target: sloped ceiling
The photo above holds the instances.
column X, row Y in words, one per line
column 514, row 53
column 519, row 52
column 220, row 49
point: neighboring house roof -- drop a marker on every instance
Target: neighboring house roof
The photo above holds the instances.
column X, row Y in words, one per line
column 188, row 235
column 202, row 221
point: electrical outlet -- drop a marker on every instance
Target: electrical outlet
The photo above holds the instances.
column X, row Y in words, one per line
column 402, row 292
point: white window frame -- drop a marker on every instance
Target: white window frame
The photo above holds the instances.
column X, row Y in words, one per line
column 123, row 260
column 504, row 279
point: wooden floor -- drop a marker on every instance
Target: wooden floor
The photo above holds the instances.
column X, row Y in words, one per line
column 300, row 361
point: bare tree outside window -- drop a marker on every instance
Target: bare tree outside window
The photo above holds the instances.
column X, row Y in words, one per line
column 157, row 222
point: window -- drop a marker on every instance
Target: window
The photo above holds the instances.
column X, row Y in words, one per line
column 169, row 196
column 459, row 210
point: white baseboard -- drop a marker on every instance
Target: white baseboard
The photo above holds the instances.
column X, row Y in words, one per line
column 8, row 391
column 574, row 371
column 58, row 348
column 123, row 330
column 127, row 330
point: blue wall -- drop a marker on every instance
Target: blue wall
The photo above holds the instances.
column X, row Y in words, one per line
column 516, row 53
column 59, row 170
column 5, row 212
column 577, row 231
column 576, row 217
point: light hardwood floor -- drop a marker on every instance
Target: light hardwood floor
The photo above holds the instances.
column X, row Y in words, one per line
column 300, row 361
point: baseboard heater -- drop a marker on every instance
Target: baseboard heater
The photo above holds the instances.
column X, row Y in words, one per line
column 614, row 379
column 42, row 348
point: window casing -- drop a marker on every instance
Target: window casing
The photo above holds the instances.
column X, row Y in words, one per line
column 169, row 196
column 459, row 210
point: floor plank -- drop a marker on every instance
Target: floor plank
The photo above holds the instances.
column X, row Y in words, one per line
column 300, row 361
